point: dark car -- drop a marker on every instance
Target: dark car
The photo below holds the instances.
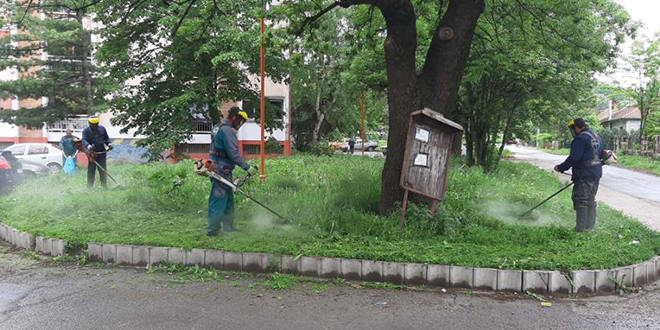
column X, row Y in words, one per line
column 5, row 169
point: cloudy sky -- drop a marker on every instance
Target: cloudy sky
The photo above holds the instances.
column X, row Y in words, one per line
column 645, row 11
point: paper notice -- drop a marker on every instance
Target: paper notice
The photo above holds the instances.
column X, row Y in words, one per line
column 421, row 160
column 422, row 135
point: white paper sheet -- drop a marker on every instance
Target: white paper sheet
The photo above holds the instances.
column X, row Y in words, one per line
column 421, row 160
column 422, row 135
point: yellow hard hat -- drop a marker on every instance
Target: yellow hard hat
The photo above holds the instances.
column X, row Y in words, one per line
column 93, row 120
column 243, row 114
column 571, row 123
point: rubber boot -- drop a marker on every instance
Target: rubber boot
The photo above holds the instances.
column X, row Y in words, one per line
column 581, row 219
column 591, row 223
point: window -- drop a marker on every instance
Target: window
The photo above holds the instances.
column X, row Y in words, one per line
column 277, row 105
column 37, row 150
column 17, row 150
column 248, row 107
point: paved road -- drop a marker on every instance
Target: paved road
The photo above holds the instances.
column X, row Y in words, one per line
column 41, row 295
column 633, row 193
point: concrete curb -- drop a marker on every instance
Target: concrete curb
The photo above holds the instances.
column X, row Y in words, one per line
column 553, row 282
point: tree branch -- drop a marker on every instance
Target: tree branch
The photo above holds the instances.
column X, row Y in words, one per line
column 185, row 13
column 340, row 3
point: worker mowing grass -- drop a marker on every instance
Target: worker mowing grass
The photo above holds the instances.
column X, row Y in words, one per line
column 225, row 156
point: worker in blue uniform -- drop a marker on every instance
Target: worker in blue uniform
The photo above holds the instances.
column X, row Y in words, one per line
column 225, row 156
column 586, row 161
column 97, row 143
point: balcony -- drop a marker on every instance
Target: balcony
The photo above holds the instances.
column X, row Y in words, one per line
column 202, row 127
column 76, row 124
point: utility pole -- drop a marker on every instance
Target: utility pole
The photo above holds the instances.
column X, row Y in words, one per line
column 362, row 120
column 262, row 174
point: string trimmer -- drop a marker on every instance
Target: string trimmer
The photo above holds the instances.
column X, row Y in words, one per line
column 544, row 201
column 91, row 155
column 204, row 167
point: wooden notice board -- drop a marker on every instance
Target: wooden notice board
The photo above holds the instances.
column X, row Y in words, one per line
column 426, row 159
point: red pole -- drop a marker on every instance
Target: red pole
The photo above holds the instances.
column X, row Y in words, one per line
column 362, row 128
column 262, row 174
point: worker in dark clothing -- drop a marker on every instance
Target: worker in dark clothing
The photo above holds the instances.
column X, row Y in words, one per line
column 225, row 157
column 351, row 145
column 97, row 143
column 66, row 144
column 586, row 160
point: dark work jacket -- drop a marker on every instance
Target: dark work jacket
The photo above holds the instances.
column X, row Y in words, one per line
column 225, row 148
column 582, row 152
column 97, row 138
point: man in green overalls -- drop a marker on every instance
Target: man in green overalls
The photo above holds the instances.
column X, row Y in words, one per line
column 225, row 156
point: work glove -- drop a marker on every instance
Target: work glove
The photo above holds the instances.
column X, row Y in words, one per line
column 253, row 170
column 109, row 147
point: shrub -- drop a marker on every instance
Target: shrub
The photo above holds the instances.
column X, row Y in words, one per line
column 321, row 149
column 273, row 146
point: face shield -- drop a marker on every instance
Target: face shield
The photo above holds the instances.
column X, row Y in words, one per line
column 572, row 128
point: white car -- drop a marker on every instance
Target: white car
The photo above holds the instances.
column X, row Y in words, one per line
column 40, row 153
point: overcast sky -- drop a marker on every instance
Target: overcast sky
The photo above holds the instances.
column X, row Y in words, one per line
column 647, row 12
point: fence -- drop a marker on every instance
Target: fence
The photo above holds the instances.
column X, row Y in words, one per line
column 647, row 148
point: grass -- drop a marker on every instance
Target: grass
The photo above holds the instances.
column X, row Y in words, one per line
column 640, row 163
column 332, row 202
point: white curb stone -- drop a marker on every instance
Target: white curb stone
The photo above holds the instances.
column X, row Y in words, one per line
column 559, row 283
column 624, row 276
column 176, row 256
column 650, row 271
column 252, row 262
column 20, row 240
column 414, row 274
column 372, row 270
column 393, row 272
column 124, row 254
column 536, row 281
column 270, row 263
column 140, row 255
column 195, row 257
column 331, row 268
column 289, row 264
column 12, row 236
column 31, row 242
column 59, row 247
column 157, row 255
column 585, row 281
column 94, row 251
column 48, row 246
column 657, row 267
column 233, row 261
column 437, row 275
column 351, row 269
column 509, row 280
column 214, row 259
column 309, row 266
column 109, row 253
column 3, row 232
column 461, row 277
column 39, row 244
column 485, row 278
column 639, row 275
column 605, row 281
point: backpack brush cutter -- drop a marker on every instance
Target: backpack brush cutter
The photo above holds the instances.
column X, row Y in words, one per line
column 204, row 167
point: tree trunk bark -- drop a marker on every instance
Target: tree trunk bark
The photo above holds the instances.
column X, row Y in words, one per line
column 435, row 88
column 319, row 117
column 507, row 129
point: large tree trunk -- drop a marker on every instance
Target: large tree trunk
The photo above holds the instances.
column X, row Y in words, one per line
column 438, row 82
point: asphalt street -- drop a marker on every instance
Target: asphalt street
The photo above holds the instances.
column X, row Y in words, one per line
column 46, row 295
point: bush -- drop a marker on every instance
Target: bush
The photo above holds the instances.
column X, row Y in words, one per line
column 321, row 149
column 272, row 146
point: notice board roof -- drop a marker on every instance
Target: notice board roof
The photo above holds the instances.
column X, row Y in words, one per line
column 438, row 117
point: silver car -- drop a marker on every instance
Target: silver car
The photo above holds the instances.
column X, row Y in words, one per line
column 38, row 153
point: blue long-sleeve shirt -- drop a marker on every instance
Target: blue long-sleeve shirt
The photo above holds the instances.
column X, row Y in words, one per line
column 226, row 141
column 581, row 151
column 97, row 139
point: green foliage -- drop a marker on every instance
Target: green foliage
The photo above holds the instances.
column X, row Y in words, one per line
column 278, row 281
column 531, row 64
column 188, row 61
column 333, row 212
column 67, row 76
column 320, row 149
column 272, row 146
column 645, row 164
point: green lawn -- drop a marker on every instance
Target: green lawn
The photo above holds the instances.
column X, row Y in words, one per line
column 333, row 202
column 645, row 164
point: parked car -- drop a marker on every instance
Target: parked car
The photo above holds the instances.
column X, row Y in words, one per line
column 35, row 154
column 5, row 169
column 339, row 144
column 369, row 146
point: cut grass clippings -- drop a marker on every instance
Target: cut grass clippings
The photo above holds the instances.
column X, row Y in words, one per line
column 640, row 163
column 333, row 202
